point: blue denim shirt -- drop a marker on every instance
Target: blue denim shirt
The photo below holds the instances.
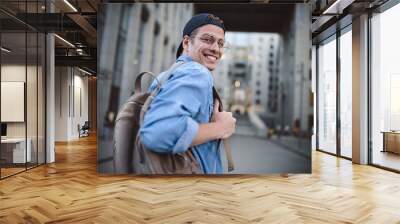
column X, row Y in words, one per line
column 172, row 120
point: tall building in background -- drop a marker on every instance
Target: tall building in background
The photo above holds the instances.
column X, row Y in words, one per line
column 140, row 37
column 295, row 76
column 133, row 38
column 265, row 82
column 247, row 69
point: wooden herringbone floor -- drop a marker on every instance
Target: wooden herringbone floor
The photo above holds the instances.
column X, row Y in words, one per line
column 70, row 191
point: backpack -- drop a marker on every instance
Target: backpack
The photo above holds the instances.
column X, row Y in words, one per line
column 131, row 156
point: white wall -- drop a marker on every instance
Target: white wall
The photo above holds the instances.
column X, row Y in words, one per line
column 71, row 94
column 16, row 73
column 33, row 106
column 61, row 103
column 12, row 99
column 79, row 117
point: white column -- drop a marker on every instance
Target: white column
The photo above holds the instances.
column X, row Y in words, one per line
column 360, row 90
column 50, row 99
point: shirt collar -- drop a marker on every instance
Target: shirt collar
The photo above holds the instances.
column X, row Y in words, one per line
column 184, row 58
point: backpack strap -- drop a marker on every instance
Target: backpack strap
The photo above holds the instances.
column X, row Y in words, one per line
column 227, row 145
column 138, row 81
column 228, row 152
column 169, row 72
column 148, row 101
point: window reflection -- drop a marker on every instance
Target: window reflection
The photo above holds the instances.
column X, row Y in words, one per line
column 385, row 89
column 346, row 94
column 327, row 96
column 22, row 91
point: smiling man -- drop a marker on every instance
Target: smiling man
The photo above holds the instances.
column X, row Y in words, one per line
column 183, row 115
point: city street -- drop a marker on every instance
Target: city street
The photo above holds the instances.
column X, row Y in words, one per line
column 252, row 154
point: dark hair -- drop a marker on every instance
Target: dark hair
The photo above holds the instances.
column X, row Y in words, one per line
column 191, row 36
column 194, row 32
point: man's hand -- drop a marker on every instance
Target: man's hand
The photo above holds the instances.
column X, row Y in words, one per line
column 224, row 120
column 222, row 126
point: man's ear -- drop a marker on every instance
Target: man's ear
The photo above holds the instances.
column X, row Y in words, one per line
column 185, row 42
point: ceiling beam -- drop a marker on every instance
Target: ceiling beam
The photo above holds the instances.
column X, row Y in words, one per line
column 256, row 17
column 84, row 61
column 86, row 27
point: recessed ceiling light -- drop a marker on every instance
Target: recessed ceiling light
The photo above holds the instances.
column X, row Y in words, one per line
column 86, row 72
column 64, row 40
column 70, row 5
column 337, row 7
column 5, row 50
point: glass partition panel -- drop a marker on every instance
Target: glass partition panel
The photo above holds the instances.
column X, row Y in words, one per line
column 22, row 87
column 327, row 96
column 346, row 94
column 14, row 153
column 41, row 98
column 385, row 89
column 31, row 98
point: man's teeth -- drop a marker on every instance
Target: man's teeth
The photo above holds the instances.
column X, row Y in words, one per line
column 211, row 57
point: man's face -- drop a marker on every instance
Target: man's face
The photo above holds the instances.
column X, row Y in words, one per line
column 205, row 47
